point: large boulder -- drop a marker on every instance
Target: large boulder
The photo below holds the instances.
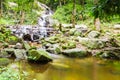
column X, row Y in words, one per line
column 93, row 43
column 20, row 54
column 81, row 28
column 10, row 51
column 17, row 53
column 75, row 53
column 38, row 56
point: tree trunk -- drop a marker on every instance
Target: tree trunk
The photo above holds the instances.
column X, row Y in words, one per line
column 74, row 13
column 60, row 4
column 97, row 24
column 64, row 2
column 97, row 19
column 81, row 2
column 22, row 17
column 95, row 2
column 1, row 8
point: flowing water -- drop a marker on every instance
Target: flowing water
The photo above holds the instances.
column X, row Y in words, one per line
column 40, row 30
column 72, row 69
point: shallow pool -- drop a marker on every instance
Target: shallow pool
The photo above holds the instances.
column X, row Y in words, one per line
column 71, row 69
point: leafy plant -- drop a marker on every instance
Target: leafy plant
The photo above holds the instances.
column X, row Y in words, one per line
column 64, row 13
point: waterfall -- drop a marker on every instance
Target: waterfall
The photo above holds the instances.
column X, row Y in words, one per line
column 44, row 20
column 35, row 32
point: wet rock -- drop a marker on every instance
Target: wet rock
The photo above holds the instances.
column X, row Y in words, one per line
column 75, row 32
column 4, row 54
column 39, row 56
column 18, row 46
column 52, row 40
column 68, row 45
column 93, row 43
column 5, row 45
column 55, row 49
column 67, row 25
column 13, row 40
column 117, row 26
column 4, row 61
column 17, row 53
column 75, row 53
column 72, row 31
column 9, row 50
column 81, row 28
column 93, row 34
column 26, row 45
column 20, row 54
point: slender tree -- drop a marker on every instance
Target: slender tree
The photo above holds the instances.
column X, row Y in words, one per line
column 74, row 13
column 1, row 7
column 96, row 18
column 60, row 4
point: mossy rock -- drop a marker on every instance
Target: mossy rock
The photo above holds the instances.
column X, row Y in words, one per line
column 93, row 34
column 55, row 49
column 69, row 45
column 38, row 56
column 9, row 50
column 4, row 61
column 113, row 53
column 52, row 40
column 26, row 45
column 20, row 54
column 33, row 55
column 77, row 33
column 13, row 40
column 5, row 45
column 72, row 31
column 75, row 53
column 4, row 54
column 93, row 43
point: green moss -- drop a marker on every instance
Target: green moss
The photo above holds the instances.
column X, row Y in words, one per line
column 4, row 61
column 38, row 55
column 69, row 45
column 33, row 55
column 5, row 45
column 8, row 73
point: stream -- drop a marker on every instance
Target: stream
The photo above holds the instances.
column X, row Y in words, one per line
column 71, row 69
column 63, row 68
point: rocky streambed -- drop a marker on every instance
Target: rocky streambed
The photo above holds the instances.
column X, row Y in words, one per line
column 78, row 42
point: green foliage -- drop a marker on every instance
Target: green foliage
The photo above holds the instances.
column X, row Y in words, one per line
column 106, row 8
column 6, row 36
column 64, row 13
column 13, row 10
column 4, row 21
column 11, row 74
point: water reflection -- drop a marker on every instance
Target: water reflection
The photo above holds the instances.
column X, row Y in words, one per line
column 73, row 69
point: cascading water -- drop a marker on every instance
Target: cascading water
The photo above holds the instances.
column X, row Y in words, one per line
column 37, row 31
column 44, row 22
